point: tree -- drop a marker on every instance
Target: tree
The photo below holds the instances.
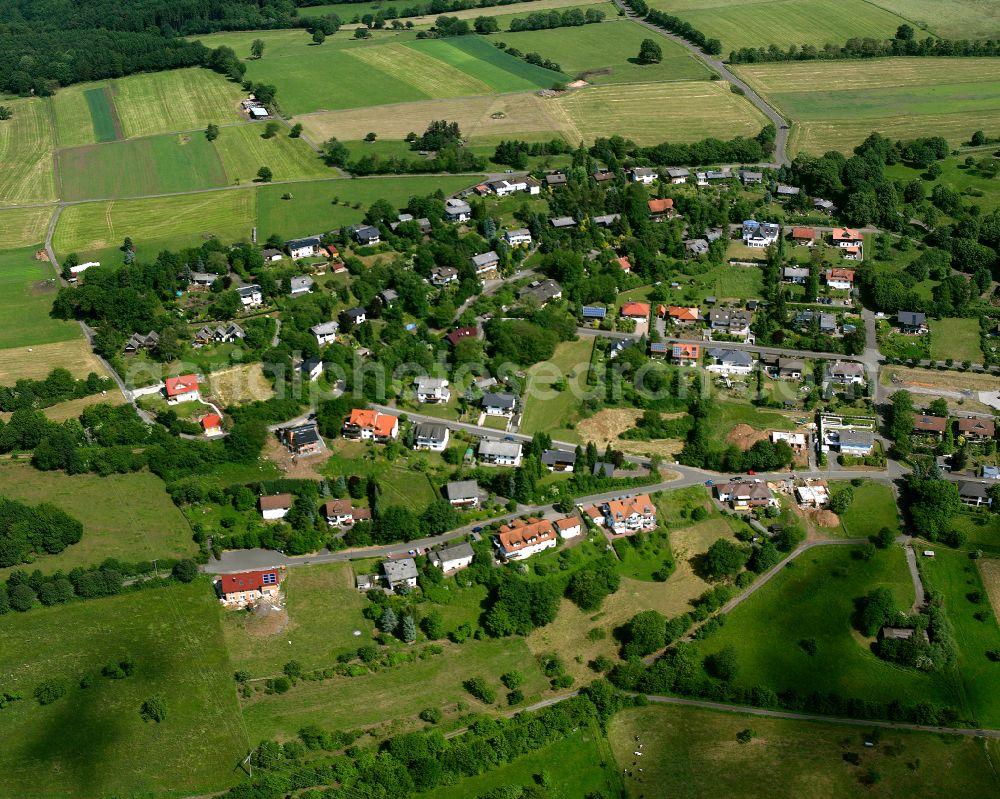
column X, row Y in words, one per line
column 883, row 538
column 371, row 136
column 212, row 131
column 650, row 52
column 486, row 25
column 904, row 33
column 185, row 570
column 723, row 560
column 978, row 138
column 875, row 610
column 318, row 37
column 270, row 130
column 645, row 633
column 48, row 691
column 264, row 174
column 296, row 131
column 362, row 33
column 257, row 49
column 723, row 664
column 388, row 622
column 512, row 680
column 5, row 112
column 154, row 709
column 335, row 153
column 841, row 500
column 433, row 625
column 480, row 689
column 408, row 632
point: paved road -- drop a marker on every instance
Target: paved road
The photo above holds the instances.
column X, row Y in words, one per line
column 715, row 64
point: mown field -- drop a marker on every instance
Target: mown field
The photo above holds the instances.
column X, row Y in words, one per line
column 26, row 170
column 548, row 410
column 91, row 742
column 243, row 151
column 124, row 516
column 751, row 23
column 21, row 227
column 950, row 19
column 957, row 339
column 27, row 288
column 607, row 53
column 835, row 104
column 691, row 752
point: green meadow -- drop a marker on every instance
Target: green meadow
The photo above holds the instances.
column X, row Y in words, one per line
column 27, row 288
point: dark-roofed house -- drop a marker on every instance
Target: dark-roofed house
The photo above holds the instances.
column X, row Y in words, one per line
column 730, row 362
column 911, row 322
column 677, row 174
column 453, row 558
column 456, row 336
column 400, row 572
column 791, row 368
column 366, row 235
column 457, row 210
column 930, row 425
column 749, row 177
column 542, row 291
column 303, row 248
column 974, row 494
column 696, row 246
column 140, row 342
column 556, row 179
column 562, row 222
column 804, row 321
column 270, row 255
column 784, row 192
column 352, row 317
column 462, row 493
column 499, row 404
column 977, row 429
column 430, row 435
column 486, row 263
column 303, row 439
column 250, row 296
column 557, row 460
column 606, row 220
column 311, row 368
column 594, row 312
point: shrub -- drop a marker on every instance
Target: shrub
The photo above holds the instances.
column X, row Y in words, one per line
column 512, row 679
column 431, row 715
column 48, row 691
column 185, row 570
column 280, row 685
column 154, row 709
column 515, row 697
column 480, row 689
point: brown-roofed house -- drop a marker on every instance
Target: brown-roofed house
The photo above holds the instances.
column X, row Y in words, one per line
column 930, row 425
column 804, row 235
column 521, row 539
column 977, row 429
column 660, row 209
column 275, row 506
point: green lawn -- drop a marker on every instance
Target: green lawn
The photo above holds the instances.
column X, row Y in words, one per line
column 479, row 58
column 954, row 575
column 982, row 530
column 27, row 288
column 957, row 339
column 74, row 124
column 102, row 113
column 873, row 508
column 643, row 554
column 551, row 411
column 814, row 598
column 726, row 415
column 724, row 282
column 91, row 743
column 124, row 516
column 400, row 484
column 691, row 752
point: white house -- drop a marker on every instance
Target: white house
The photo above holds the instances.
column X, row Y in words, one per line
column 454, row 558
column 276, row 506
column 181, row 389
column 485, row 263
column 847, row 372
column 443, row 275
column 730, row 362
column 250, row 296
column 312, row 368
column 365, row 423
column 431, row 436
column 643, row 174
column 432, row 389
column 303, row 248
column 677, row 174
column 759, row 234
column 300, row 284
column 519, row 236
column 400, row 572
column 325, row 333
column 500, row 453
column 630, row 515
column 499, row 404
column 457, row 210
column 462, row 493
column 570, row 527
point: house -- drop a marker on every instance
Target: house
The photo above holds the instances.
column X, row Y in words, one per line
column 823, row 205
column 658, row 350
column 140, row 342
column 519, row 236
column 247, row 588
column 795, row 274
column 853, row 253
column 846, row 237
column 311, row 368
column 431, row 389
column 399, row 573
column 930, row 425
column 199, row 280
column 521, row 539
column 790, row 368
column 635, row 310
column 858, row 443
column 462, row 493
column 542, row 291
column 750, row 178
column 302, row 439
column 388, row 297
column 686, row 354
column 606, row 220
column 569, row 527
column 847, row 372
column 732, row 321
column 366, row 235
column 365, row 582
column 220, row 334
column 903, row 633
column 530, row 185
column 618, row 346
column 457, row 210
column 341, row 513
column 554, row 179
column 630, row 515
column 558, row 460
column 483, row 383
column 456, row 336
column 787, row 192
column 827, row 322
column 977, row 429
column 596, row 312
column 625, row 264
column 991, row 472
column 746, row 494
column 352, row 317
column 593, row 514
column 797, row 441
column 730, row 362
column 443, row 275
column 303, row 248
column 759, row 234
column 325, row 333
column 559, row 222
column 364, row 423
column 677, row 174
column 680, row 315
column 719, row 174
column 300, row 284
column 211, row 425
column 499, row 453
column 454, row 558
column 642, row 174
column 814, row 494
column 911, row 322
column 499, row 404
column 250, row 296
column 275, row 506
column 696, row 246
column 423, row 223
column 603, row 175
column 181, row 389
column 804, row 236
column 660, row 209
column 270, row 255
column 430, row 435
column 486, row 263
column 974, row 494
column 852, row 435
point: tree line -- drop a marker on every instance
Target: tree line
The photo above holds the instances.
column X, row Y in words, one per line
column 29, row 531
column 59, row 386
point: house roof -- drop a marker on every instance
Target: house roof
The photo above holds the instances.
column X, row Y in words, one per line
column 594, row 311
column 857, row 438
column 686, row 351
column 297, row 244
column 795, row 271
column 731, row 357
column 568, row 523
column 181, row 385
column 381, row 424
column 847, row 368
column 396, row 571
column 433, row 431
column 930, row 424
column 301, row 283
column 324, row 329
column 485, row 259
column 623, row 508
column 520, row 534
column 562, row 221
column 491, row 400
column 552, row 457
column 276, row 502
column 660, row 206
column 983, row 427
column 846, row 234
column 973, row 490
column 840, row 274
column 248, row 581
column 625, row 263
column 803, row 233
column 462, row 489
column 337, row 507
column 683, row 314
column 455, row 552
column 639, row 309
column 499, row 449
column 211, row 420
column 456, row 336
column 911, row 318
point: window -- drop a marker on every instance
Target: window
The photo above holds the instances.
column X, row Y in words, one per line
column 269, row 579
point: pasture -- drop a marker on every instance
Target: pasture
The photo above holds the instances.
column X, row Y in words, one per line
column 91, row 742
column 243, row 151
column 957, row 339
column 950, row 19
column 26, row 175
column 548, row 409
column 814, row 598
column 692, row 752
column 153, row 165
column 73, row 124
column 22, row 227
column 739, row 23
column 37, row 360
column 174, row 101
column 129, row 517
column 98, row 228
column 479, row 58
column 27, row 288
column 836, row 104
column 607, row 53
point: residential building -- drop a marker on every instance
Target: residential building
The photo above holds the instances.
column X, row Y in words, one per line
column 857, row 443
column 795, row 274
column 303, row 248
column 719, row 174
column 593, row 514
column 558, row 460
column 852, row 435
column 677, row 174
column 696, row 246
column 603, row 175
column 606, row 220
column 786, row 192
column 823, row 205
column 797, row 441
column 911, row 322
column 248, row 588
column 930, row 425
column 311, row 368
column 974, row 494
column 325, row 333
column 805, row 236
column 181, row 389
column 520, row 539
column 685, row 354
column 804, row 320
column 462, row 493
column 211, row 425
column 271, row 255
column 594, row 312
column 846, row 237
column 814, row 494
column 643, row 174
column 140, row 342
column 199, row 280
column 730, row 362
column 251, row 296
column 499, row 453
column 443, row 275
column 635, row 310
column 847, row 372
column 618, row 346
column 518, row 236
column 300, row 284
column 790, row 368
column 432, row 436
column 456, row 336
column 431, row 390
column 746, row 494
column 454, row 558
column 977, row 429
column 531, row 186
column 366, row 235
column 499, row 404
column 660, row 209
column 364, row 423
column 457, row 210
column 302, row 439
column 680, row 315
column 569, row 527
column 855, row 253
column 353, row 317
column 341, row 513
column 400, row 572
column 562, row 222
column 542, row 291
column 658, row 350
column 625, row 264
column 630, row 515
column 749, row 178
column 486, row 263
column 388, row 297
column 759, row 234
column 554, row 179
column 733, row 321
column 275, row 506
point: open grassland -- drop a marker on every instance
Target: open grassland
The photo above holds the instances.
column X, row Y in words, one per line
column 978, row 186
column 36, row 361
column 74, row 126
column 124, row 516
column 92, row 743
column 243, row 151
column 26, row 166
column 155, row 224
column 956, row 577
column 22, row 227
column 175, row 100
column 989, row 569
column 73, row 408
column 478, row 57
column 312, row 207
column 950, row 19
column 419, row 66
column 398, row 693
column 873, row 508
column 814, row 598
column 548, row 410
column 835, row 104
column 957, row 339
column 323, row 610
column 27, row 288
column 692, row 752
column 607, row 54
column 738, row 23
column 154, row 165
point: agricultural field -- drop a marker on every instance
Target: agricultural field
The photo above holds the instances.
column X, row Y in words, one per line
column 478, row 57
column 37, row 360
column 27, row 288
column 124, row 516
column 243, row 151
column 607, row 53
column 92, row 742
column 21, row 227
column 836, row 104
column 351, row 11
column 27, row 175
column 814, row 598
column 74, row 125
column 692, row 752
column 949, row 19
column 957, row 339
column 548, row 409
column 741, row 23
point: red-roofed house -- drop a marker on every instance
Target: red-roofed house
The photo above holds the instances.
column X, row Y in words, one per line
column 840, row 278
column 520, row 540
column 625, row 264
column 660, row 209
column 846, row 237
column 686, row 354
column 246, row 588
column 212, row 425
column 456, row 336
column 182, row 389
column 570, row 527
column 635, row 310
column 804, row 235
column 630, row 515
column 370, row 424
column 683, row 316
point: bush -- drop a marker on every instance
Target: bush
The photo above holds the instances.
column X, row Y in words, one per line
column 699, row 514
column 185, row 570
column 480, row 689
column 431, row 715
column 49, row 691
column 154, row 709
column 515, row 697
column 280, row 685
column 512, row 679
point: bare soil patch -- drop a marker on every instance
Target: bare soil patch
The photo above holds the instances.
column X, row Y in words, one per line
column 266, row 621
column 240, row 384
column 605, row 427
column 990, row 570
column 825, row 518
column 744, row 436
column 292, row 466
